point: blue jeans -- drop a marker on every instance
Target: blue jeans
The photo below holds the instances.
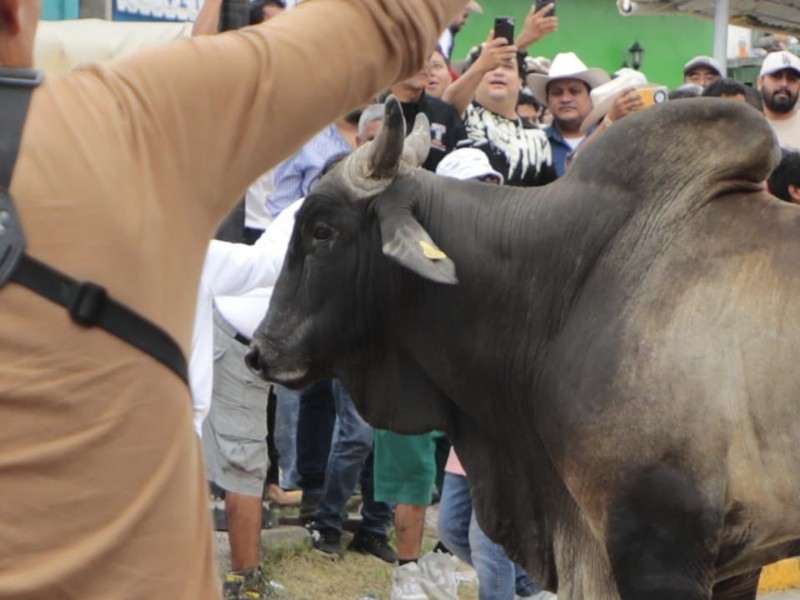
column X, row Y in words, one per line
column 498, row 577
column 286, row 414
column 350, row 461
column 315, row 420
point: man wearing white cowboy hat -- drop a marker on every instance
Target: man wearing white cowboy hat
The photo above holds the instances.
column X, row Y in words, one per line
column 565, row 91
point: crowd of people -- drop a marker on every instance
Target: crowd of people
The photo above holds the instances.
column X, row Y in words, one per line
column 507, row 118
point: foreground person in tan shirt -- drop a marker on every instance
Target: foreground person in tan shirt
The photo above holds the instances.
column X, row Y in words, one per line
column 124, row 171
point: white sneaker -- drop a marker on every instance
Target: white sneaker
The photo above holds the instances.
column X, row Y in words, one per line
column 440, row 575
column 407, row 583
column 543, row 595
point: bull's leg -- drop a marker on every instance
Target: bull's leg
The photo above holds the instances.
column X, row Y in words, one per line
column 662, row 538
column 741, row 587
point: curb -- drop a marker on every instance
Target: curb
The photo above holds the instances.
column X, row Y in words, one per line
column 782, row 575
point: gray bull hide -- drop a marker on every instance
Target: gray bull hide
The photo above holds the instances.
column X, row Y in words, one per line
column 616, row 364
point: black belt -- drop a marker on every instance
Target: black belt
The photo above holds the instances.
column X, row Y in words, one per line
column 242, row 339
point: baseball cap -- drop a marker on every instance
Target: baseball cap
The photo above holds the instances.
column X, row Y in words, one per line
column 466, row 163
column 778, row 61
column 703, row 61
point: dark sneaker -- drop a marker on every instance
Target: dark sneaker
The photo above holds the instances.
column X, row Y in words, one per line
column 374, row 544
column 232, row 585
column 328, row 542
column 244, row 585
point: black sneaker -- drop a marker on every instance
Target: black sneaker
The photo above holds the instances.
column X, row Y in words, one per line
column 374, row 544
column 328, row 542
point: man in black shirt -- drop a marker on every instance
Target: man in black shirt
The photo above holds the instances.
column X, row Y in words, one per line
column 447, row 128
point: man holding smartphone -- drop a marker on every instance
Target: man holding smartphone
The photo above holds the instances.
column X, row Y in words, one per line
column 487, row 94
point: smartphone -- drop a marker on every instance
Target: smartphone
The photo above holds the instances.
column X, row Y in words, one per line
column 541, row 3
column 504, row 27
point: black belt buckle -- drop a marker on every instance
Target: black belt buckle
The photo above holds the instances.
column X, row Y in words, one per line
column 87, row 303
column 12, row 238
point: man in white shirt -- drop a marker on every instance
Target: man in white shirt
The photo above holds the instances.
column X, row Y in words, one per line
column 779, row 84
column 233, row 298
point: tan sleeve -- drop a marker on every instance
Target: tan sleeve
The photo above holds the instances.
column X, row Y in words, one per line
column 229, row 107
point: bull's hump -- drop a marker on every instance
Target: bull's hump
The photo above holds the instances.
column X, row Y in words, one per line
column 687, row 144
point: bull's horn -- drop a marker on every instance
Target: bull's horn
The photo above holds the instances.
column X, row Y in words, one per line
column 372, row 167
column 418, row 142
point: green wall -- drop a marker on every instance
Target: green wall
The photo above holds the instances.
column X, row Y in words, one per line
column 596, row 31
column 57, row 10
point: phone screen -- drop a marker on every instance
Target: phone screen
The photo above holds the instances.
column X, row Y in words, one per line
column 504, row 27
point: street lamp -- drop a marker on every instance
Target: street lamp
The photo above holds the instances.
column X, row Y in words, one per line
column 636, row 52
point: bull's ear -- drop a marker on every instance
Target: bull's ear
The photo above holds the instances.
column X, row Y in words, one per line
column 406, row 242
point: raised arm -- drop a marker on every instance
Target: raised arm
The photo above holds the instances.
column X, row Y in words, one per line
column 462, row 90
column 537, row 25
column 207, row 20
column 228, row 107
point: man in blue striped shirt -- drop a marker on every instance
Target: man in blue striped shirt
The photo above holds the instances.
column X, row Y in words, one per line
column 294, row 176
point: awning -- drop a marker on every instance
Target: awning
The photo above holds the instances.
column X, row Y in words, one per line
column 63, row 45
column 773, row 15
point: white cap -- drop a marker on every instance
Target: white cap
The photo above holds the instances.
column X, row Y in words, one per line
column 703, row 61
column 778, row 61
column 466, row 163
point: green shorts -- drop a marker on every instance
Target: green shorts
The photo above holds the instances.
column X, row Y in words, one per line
column 407, row 467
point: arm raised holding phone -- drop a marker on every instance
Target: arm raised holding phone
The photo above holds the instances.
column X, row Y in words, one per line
column 494, row 52
column 540, row 20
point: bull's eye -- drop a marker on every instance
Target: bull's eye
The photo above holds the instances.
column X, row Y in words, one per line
column 322, row 232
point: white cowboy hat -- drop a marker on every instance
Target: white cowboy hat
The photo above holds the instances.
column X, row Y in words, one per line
column 566, row 65
column 603, row 96
column 474, row 7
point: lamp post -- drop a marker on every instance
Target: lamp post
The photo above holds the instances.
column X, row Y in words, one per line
column 636, row 52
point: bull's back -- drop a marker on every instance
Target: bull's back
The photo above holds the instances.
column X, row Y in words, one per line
column 688, row 363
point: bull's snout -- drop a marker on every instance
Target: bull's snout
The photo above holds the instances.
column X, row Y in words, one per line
column 272, row 364
column 253, row 361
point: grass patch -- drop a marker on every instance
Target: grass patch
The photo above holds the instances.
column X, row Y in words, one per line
column 309, row 575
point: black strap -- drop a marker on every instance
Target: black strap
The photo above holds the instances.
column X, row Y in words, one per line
column 17, row 86
column 86, row 302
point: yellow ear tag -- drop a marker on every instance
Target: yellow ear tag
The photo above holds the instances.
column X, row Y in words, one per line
column 431, row 252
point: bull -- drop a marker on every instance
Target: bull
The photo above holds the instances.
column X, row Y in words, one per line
column 614, row 355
